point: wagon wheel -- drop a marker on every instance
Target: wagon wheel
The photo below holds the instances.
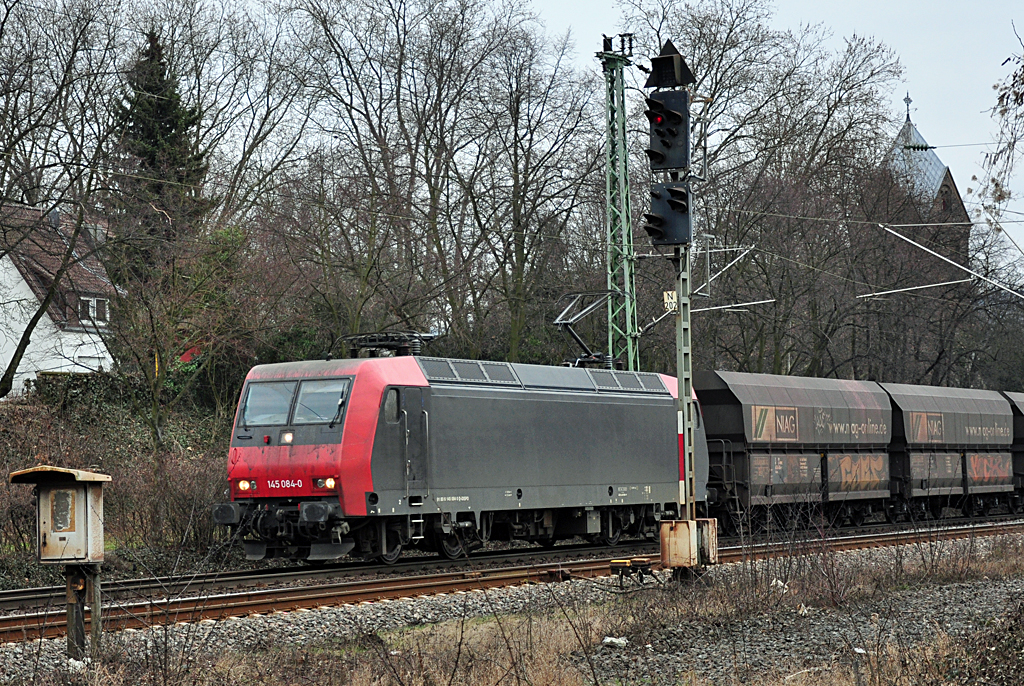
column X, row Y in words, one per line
column 857, row 517
column 450, row 546
column 739, row 523
column 392, row 548
column 889, row 511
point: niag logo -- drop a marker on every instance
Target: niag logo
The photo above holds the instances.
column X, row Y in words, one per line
column 786, row 428
column 926, row 427
column 771, row 424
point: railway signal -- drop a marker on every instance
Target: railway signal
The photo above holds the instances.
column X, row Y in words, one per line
column 668, row 114
column 669, row 222
column 669, row 69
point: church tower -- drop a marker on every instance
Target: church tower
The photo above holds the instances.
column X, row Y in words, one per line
column 933, row 191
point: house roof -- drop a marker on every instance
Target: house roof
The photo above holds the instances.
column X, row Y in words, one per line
column 914, row 160
column 37, row 242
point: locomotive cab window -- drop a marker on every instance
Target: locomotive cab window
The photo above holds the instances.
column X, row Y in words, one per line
column 391, row 406
column 267, row 404
column 321, row 402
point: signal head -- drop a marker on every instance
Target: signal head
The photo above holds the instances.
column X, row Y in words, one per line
column 669, row 222
column 668, row 114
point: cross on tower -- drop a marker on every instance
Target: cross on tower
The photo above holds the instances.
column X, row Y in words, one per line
column 908, row 101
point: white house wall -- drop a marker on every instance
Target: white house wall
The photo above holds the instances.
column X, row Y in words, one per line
column 51, row 349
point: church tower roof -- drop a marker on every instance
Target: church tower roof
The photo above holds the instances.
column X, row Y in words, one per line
column 916, row 161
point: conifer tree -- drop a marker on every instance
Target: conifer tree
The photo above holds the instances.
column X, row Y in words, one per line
column 162, row 191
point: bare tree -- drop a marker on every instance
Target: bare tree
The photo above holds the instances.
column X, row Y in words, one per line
column 539, row 146
column 459, row 140
column 1000, row 164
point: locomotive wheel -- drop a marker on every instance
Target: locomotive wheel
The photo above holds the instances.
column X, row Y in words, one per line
column 392, row 548
column 450, row 546
column 611, row 538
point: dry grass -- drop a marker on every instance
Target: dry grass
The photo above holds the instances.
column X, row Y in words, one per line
column 527, row 648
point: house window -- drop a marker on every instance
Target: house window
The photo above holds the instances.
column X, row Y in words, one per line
column 92, row 310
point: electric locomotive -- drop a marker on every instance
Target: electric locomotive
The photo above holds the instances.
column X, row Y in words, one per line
column 367, row 456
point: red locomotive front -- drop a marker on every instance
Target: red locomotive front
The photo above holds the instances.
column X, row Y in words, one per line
column 299, row 462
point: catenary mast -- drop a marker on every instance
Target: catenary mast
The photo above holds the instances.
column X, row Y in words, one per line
column 623, row 327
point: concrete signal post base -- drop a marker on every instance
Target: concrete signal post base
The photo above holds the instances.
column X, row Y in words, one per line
column 687, row 545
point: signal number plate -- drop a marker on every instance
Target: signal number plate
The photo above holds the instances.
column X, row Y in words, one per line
column 285, row 483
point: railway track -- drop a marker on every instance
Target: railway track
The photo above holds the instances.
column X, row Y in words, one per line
column 882, row 539
column 202, row 583
column 137, row 615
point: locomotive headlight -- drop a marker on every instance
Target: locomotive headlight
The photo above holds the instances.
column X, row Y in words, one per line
column 320, row 483
column 287, row 437
column 243, row 485
column 329, row 483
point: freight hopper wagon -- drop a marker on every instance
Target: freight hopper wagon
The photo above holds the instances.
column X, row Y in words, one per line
column 784, row 447
column 1017, row 407
column 368, row 456
column 951, row 447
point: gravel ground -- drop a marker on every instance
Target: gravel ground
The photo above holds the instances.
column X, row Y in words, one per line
column 790, row 640
column 783, row 641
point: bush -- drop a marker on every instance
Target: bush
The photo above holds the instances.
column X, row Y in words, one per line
column 158, row 505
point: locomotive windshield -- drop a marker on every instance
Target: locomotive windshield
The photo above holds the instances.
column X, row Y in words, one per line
column 321, row 401
column 267, row 404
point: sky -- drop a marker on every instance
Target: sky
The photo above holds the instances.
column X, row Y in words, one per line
column 952, row 54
